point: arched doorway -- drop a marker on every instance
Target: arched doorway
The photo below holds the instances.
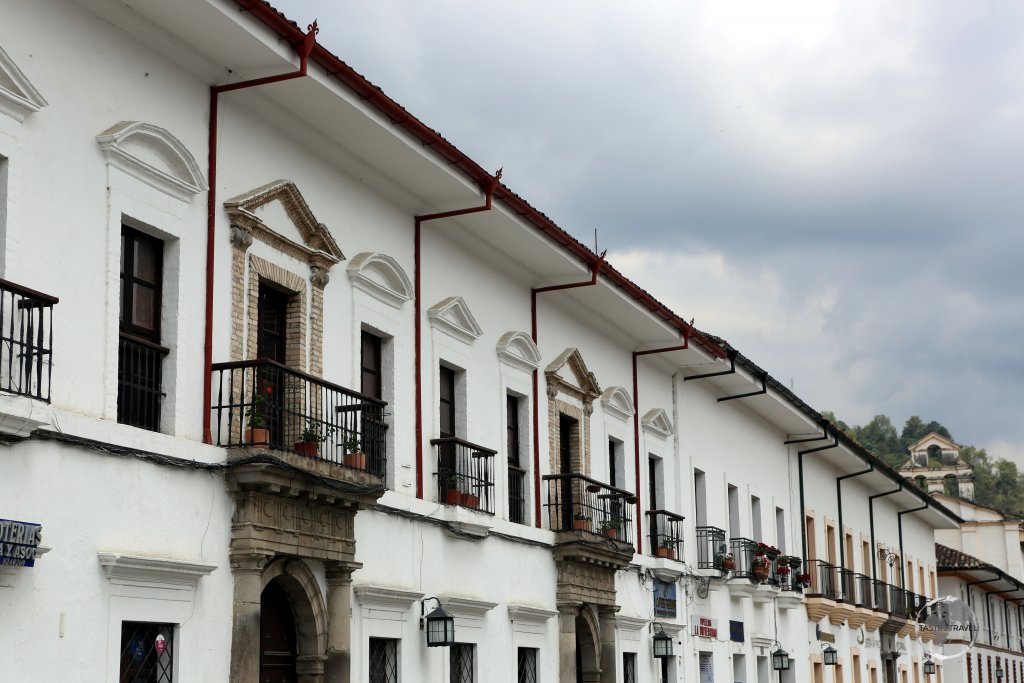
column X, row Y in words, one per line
column 588, row 654
column 278, row 646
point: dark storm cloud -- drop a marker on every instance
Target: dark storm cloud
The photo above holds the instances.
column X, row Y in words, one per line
column 846, row 173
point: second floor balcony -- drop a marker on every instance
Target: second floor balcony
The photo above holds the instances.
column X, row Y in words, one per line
column 26, row 341
column 666, row 534
column 262, row 404
column 465, row 474
column 575, row 502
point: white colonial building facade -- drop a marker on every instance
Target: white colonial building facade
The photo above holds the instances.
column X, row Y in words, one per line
column 283, row 371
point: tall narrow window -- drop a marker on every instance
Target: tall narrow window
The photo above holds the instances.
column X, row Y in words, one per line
column 140, row 356
column 734, row 512
column 614, row 449
column 370, row 365
column 755, row 519
column 527, row 665
column 516, row 472
column 460, row 660
column 700, row 498
column 780, row 529
column 383, row 660
column 848, row 564
column 812, row 549
column 147, row 652
column 830, row 544
column 447, row 402
column 865, row 559
column 629, row 667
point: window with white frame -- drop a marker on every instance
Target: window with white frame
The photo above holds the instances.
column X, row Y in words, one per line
column 383, row 660
column 527, row 666
column 460, row 659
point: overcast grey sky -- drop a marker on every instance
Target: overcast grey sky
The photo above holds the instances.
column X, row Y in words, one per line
column 828, row 185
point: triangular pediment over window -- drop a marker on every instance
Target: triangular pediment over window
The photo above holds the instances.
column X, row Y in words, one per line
column 278, row 214
column 658, row 422
column 18, row 97
column 569, row 372
column 453, row 316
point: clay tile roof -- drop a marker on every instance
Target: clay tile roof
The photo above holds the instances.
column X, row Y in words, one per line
column 949, row 559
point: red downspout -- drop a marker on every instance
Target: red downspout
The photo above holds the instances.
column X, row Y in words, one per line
column 488, row 189
column 595, row 268
column 636, row 424
column 303, row 49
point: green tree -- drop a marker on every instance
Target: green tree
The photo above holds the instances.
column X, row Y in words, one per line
column 880, row 437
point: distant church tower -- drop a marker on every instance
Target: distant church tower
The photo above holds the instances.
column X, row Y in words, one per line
column 936, row 466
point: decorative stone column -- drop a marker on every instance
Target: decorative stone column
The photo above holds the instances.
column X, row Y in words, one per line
column 567, row 642
column 339, row 616
column 606, row 618
column 245, row 633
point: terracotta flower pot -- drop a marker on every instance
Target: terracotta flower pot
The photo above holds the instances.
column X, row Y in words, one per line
column 470, row 500
column 581, row 524
column 258, row 437
column 662, row 551
column 611, row 533
column 307, row 448
column 728, row 565
column 356, row 460
column 453, row 496
column 759, row 572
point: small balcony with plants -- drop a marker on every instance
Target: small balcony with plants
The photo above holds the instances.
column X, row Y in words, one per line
column 465, row 474
column 266, row 407
column 577, row 503
column 712, row 550
column 666, row 534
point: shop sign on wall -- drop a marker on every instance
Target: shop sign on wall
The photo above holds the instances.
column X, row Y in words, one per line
column 664, row 599
column 19, row 542
column 705, row 627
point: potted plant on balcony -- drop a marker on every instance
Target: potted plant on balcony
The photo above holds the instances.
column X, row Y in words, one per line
column 469, row 498
column 258, row 435
column 610, row 527
column 354, row 455
column 802, row 580
column 312, row 434
column 726, row 561
column 666, row 549
column 759, row 565
column 581, row 521
column 452, row 492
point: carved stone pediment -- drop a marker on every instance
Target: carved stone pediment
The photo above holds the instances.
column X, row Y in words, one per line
column 278, row 215
column 569, row 374
column 617, row 402
column 453, row 316
column 18, row 97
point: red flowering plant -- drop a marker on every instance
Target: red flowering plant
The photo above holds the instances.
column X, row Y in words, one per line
column 764, row 554
column 803, row 579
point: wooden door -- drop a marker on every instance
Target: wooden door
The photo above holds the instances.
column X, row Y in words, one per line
column 277, row 637
column 271, row 339
column 566, row 426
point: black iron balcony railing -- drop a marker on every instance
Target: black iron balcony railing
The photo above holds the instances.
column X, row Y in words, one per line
column 786, row 572
column 26, row 341
column 898, row 605
column 465, row 474
column 864, row 596
column 879, row 595
column 666, row 533
column 578, row 502
column 139, row 382
column 263, row 404
column 516, row 494
column 847, row 585
column 712, row 550
column 746, row 561
column 823, row 579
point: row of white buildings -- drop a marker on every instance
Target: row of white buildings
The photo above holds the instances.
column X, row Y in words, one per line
column 284, row 371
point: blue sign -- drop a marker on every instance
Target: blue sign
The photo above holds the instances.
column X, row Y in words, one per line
column 18, row 543
column 664, row 599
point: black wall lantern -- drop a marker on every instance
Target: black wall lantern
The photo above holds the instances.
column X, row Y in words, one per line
column 830, row 656
column 440, row 626
column 999, row 672
column 780, row 659
column 662, row 643
column 929, row 667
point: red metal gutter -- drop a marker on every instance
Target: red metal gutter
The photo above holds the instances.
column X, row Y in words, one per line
column 488, row 189
column 595, row 269
column 303, row 45
column 636, row 428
